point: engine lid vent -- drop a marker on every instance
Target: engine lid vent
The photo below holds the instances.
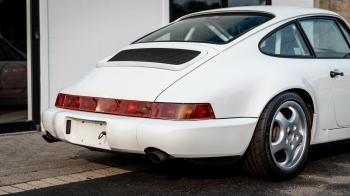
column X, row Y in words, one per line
column 156, row 55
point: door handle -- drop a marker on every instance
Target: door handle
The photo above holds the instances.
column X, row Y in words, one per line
column 333, row 74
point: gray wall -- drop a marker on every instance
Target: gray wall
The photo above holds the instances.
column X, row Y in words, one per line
column 302, row 3
column 76, row 34
column 342, row 7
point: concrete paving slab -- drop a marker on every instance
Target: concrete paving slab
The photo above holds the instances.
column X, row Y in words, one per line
column 104, row 172
column 40, row 184
column 54, row 181
column 118, row 170
column 92, row 175
column 10, row 189
column 3, row 192
column 25, row 186
column 79, row 177
column 68, row 179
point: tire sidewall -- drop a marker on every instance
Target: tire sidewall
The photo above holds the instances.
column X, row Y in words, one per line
column 277, row 172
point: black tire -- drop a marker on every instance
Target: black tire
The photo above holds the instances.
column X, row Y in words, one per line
column 259, row 160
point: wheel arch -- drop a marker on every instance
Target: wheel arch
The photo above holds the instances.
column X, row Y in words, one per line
column 305, row 95
column 309, row 101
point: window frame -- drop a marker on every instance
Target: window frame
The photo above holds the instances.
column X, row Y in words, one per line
column 305, row 38
column 346, row 28
column 336, row 21
column 303, row 35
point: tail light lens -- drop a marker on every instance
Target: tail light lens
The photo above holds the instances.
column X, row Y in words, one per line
column 182, row 111
column 60, row 100
column 171, row 111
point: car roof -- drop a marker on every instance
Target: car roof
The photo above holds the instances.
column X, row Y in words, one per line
column 280, row 12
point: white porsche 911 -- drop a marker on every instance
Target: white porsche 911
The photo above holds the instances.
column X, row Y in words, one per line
column 257, row 83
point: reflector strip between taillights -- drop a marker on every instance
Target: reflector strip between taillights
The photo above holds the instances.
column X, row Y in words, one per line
column 172, row 111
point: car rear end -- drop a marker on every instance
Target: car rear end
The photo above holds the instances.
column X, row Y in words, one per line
column 115, row 106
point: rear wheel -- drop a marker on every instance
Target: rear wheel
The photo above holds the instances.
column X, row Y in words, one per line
column 281, row 139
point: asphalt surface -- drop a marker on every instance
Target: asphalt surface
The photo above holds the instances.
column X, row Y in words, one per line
column 326, row 173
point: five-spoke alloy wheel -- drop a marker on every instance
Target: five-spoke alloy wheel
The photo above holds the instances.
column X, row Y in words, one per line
column 287, row 135
column 281, row 140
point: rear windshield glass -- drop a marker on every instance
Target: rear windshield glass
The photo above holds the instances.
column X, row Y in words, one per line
column 216, row 29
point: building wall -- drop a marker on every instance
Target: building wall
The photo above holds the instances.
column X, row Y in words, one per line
column 75, row 35
column 342, row 7
column 302, row 3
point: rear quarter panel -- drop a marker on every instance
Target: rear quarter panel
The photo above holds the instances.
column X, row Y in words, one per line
column 241, row 80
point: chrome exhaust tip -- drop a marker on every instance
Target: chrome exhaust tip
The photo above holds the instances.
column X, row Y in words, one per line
column 49, row 138
column 157, row 156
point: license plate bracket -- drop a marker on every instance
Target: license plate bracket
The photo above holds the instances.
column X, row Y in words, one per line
column 87, row 132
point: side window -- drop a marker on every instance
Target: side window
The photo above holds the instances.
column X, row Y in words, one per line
column 326, row 38
column 285, row 42
column 346, row 33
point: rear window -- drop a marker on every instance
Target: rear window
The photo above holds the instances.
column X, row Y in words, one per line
column 216, row 29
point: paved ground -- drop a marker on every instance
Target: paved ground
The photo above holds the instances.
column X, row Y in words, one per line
column 30, row 166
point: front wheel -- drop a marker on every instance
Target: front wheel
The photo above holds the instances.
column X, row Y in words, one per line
column 280, row 143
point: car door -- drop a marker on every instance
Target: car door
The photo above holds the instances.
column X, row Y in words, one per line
column 328, row 39
column 288, row 41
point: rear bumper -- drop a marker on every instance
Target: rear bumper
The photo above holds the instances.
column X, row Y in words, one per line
column 180, row 139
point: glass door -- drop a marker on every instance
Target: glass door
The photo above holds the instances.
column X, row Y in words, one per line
column 13, row 61
column 16, row 106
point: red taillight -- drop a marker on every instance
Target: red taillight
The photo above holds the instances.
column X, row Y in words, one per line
column 182, row 111
column 107, row 105
column 138, row 108
column 72, row 102
column 171, row 111
column 60, row 100
column 87, row 104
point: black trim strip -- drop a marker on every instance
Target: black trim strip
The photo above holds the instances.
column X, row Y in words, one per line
column 17, row 127
column 306, row 39
column 345, row 28
column 35, row 61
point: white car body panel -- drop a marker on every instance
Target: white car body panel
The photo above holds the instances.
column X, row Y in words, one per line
column 208, row 138
column 338, row 134
column 236, row 78
column 135, row 80
column 191, row 139
column 341, row 90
